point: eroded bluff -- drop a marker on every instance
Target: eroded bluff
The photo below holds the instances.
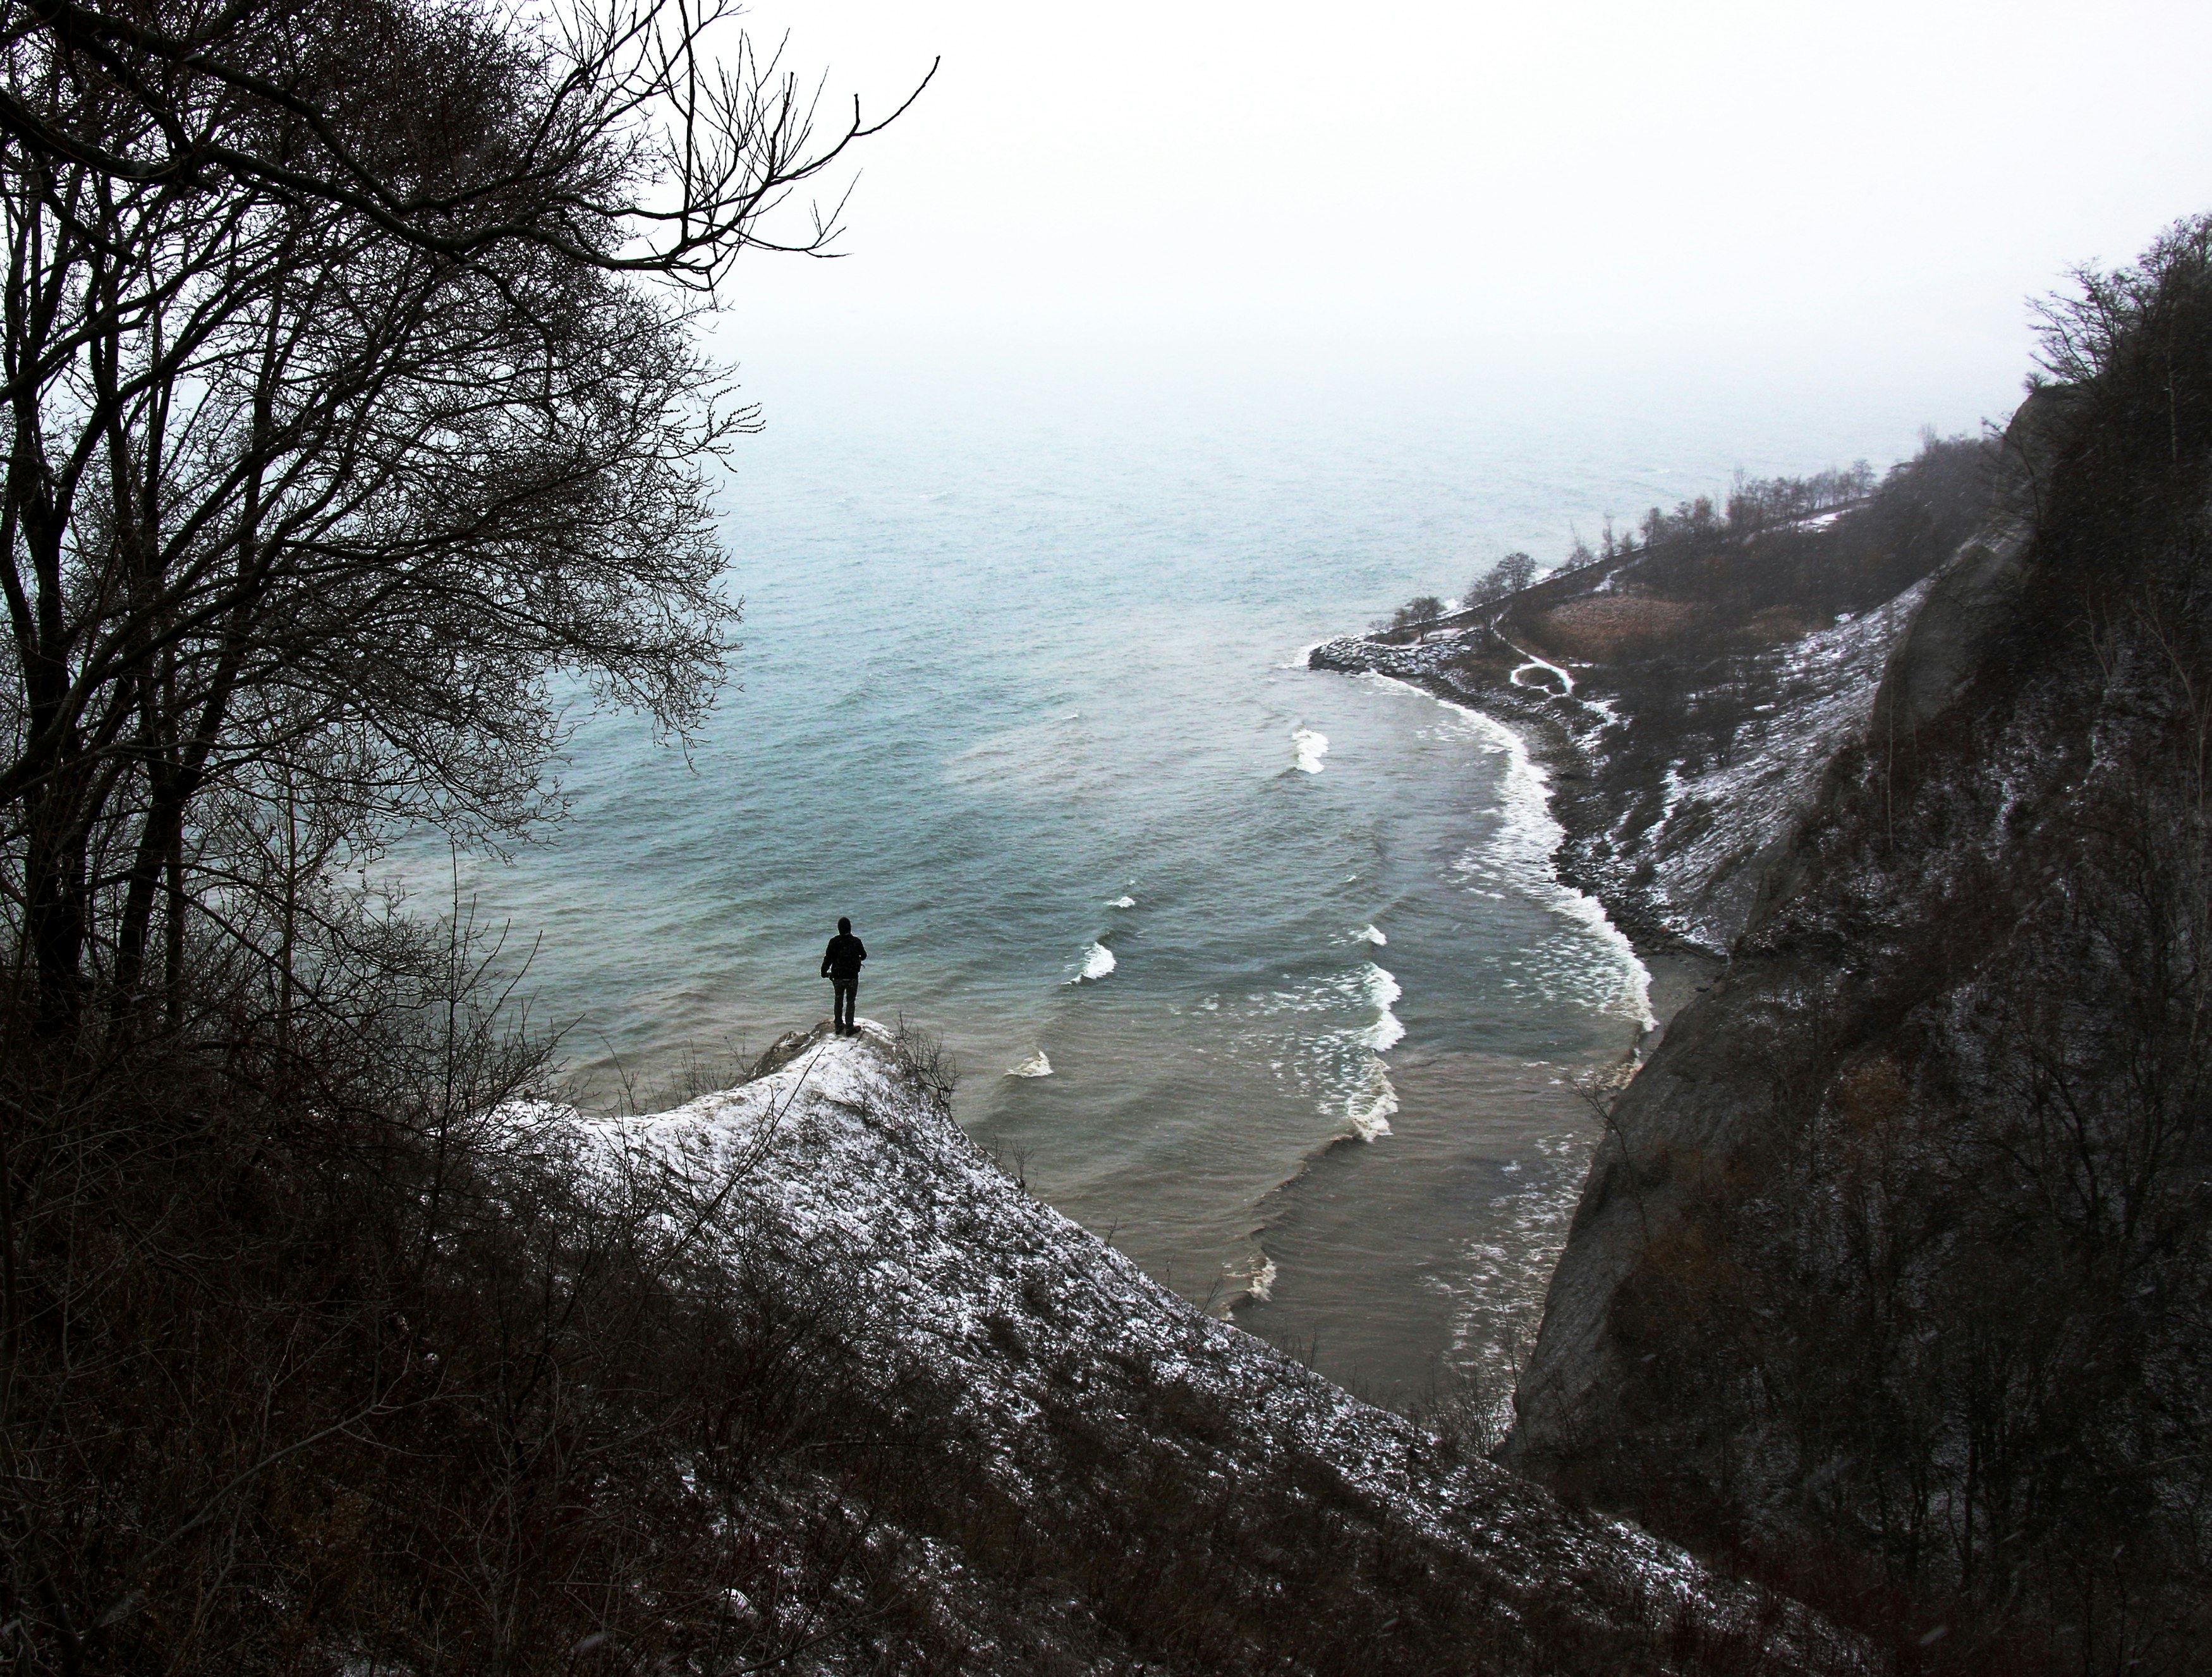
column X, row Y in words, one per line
column 1892, row 1273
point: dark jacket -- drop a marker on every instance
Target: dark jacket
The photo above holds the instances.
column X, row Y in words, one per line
column 840, row 961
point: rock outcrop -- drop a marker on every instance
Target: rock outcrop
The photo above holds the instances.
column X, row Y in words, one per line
column 1833, row 930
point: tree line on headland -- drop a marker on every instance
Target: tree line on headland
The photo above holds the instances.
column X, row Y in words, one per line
column 1755, row 506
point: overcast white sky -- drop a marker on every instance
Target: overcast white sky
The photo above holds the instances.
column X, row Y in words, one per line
column 1835, row 196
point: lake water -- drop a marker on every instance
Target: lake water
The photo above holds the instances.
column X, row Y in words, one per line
column 1022, row 694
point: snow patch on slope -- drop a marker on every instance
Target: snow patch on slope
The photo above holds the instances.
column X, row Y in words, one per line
column 1718, row 822
column 860, row 1174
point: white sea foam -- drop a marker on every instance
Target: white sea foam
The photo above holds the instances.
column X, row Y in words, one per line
column 1036, row 1066
column 1123, row 902
column 1520, row 853
column 1525, row 841
column 1098, row 962
column 1310, row 747
column 1372, row 1104
column 1382, row 990
column 1260, row 1285
column 1368, row 934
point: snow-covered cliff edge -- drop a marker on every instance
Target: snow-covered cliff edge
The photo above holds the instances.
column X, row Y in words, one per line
column 1046, row 1374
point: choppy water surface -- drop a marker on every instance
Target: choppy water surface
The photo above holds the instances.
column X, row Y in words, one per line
column 1261, row 969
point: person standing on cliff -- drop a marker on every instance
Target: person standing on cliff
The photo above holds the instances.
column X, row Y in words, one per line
column 841, row 965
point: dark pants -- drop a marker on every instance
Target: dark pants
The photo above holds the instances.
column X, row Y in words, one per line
column 846, row 988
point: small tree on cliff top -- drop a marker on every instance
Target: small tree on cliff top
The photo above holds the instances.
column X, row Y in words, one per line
column 1510, row 575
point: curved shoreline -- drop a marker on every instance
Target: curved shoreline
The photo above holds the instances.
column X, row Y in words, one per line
column 1676, row 967
column 1649, row 980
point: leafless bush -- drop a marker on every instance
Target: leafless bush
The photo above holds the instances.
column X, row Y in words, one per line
column 1469, row 1409
column 695, row 1071
column 922, row 1055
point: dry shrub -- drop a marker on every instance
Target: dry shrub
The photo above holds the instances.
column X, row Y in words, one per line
column 1780, row 623
column 1601, row 628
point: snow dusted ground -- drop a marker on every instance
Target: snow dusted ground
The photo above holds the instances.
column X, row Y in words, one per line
column 1717, row 824
column 1045, row 1334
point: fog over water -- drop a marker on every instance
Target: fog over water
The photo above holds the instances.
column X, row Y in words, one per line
column 1850, row 198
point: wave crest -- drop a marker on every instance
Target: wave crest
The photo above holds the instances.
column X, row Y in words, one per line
column 1370, row 1106
column 1382, row 990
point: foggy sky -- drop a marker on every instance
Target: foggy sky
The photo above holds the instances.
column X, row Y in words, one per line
column 1763, row 194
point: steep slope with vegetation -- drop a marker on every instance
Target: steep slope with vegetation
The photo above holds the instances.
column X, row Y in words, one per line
column 792, row 1377
column 1893, row 1274
column 1096, row 1470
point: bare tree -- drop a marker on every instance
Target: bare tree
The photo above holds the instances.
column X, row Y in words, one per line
column 1510, row 575
column 342, row 424
column 632, row 144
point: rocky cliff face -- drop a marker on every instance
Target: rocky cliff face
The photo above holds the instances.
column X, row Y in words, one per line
column 1115, row 1480
column 1895, row 1265
column 1814, row 967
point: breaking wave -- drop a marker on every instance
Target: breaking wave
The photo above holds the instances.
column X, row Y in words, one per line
column 1517, row 856
column 1123, row 902
column 1382, row 990
column 1523, row 847
column 1260, row 1285
column 1334, row 1058
column 1098, row 962
column 1368, row 934
column 1370, row 1106
column 1036, row 1066
column 1310, row 747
